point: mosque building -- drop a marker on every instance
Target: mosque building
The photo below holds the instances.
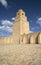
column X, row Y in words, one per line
column 21, row 32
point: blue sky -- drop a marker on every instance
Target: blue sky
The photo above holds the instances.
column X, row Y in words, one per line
column 8, row 9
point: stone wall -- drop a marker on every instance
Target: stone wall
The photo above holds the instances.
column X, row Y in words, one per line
column 6, row 40
column 33, row 38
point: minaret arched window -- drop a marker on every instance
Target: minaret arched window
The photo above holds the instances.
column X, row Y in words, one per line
column 18, row 13
column 22, row 14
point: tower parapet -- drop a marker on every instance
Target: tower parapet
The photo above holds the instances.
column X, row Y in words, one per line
column 20, row 16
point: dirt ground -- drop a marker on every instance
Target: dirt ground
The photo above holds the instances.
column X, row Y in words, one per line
column 26, row 54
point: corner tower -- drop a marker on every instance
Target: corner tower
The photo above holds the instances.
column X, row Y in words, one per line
column 21, row 25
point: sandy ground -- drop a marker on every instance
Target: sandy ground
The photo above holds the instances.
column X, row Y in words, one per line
column 26, row 54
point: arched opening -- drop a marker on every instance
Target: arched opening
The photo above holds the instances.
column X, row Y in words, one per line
column 22, row 14
column 29, row 41
column 36, row 40
column 18, row 13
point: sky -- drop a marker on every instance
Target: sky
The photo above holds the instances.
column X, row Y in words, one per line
column 8, row 9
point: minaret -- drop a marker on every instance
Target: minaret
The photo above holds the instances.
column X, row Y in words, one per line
column 21, row 25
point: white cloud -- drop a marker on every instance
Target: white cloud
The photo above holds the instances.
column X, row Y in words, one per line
column 13, row 18
column 6, row 25
column 6, row 22
column 6, row 28
column 31, row 31
column 1, row 27
column 9, row 29
column 39, row 21
column 4, row 3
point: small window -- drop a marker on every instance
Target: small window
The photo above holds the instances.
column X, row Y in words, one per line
column 22, row 13
column 18, row 13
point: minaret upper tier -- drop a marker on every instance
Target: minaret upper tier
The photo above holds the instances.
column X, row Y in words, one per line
column 21, row 24
column 20, row 15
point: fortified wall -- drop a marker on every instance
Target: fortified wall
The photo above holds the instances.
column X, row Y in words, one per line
column 21, row 32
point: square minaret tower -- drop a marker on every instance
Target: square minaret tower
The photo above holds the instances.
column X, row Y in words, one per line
column 21, row 25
